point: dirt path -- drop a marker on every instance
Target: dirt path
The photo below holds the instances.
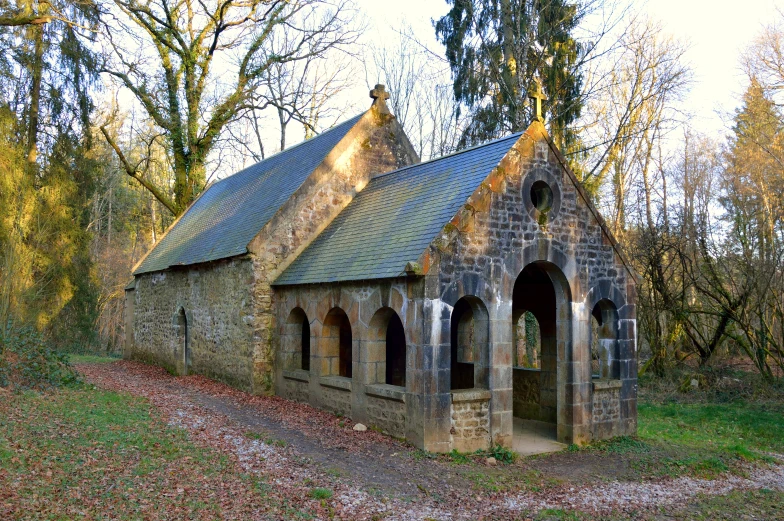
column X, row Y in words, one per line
column 296, row 447
column 388, row 468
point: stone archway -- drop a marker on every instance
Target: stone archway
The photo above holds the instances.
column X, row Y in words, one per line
column 541, row 297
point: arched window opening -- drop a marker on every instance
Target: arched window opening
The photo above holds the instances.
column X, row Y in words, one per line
column 305, row 336
column 337, row 344
column 527, row 342
column 604, row 340
column 183, row 341
column 469, row 355
column 396, row 352
column 385, row 349
column 295, row 341
column 462, row 365
column 595, row 358
column 345, row 349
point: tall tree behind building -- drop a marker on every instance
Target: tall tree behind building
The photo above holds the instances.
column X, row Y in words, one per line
column 45, row 88
column 498, row 48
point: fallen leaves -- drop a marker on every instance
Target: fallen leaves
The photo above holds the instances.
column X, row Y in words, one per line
column 183, row 460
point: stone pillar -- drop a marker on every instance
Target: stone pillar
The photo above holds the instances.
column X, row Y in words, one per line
column 434, row 386
column 362, row 354
column 627, row 354
column 501, row 339
column 580, row 391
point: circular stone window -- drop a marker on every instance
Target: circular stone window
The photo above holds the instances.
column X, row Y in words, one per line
column 542, row 197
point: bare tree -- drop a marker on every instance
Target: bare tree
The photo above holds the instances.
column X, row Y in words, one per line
column 193, row 67
column 644, row 84
column 422, row 98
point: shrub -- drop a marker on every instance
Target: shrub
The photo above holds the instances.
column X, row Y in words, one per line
column 502, row 454
column 320, row 493
column 27, row 362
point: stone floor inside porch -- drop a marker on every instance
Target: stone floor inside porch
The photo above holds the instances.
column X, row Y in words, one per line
column 534, row 437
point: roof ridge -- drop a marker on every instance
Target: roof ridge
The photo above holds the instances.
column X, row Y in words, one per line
column 455, row 153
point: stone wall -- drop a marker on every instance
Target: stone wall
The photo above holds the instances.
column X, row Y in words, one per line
column 526, row 394
column 337, row 401
column 387, row 414
column 364, row 397
column 606, row 410
column 470, row 420
column 296, row 386
column 218, row 305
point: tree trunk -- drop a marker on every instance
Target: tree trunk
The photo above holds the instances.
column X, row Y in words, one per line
column 36, row 73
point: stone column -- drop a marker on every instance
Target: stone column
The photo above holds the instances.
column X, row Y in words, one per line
column 433, row 398
column 500, row 345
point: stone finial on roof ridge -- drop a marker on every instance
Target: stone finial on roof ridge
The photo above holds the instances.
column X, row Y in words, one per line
column 380, row 97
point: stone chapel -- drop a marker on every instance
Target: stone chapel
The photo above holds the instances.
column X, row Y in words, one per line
column 445, row 302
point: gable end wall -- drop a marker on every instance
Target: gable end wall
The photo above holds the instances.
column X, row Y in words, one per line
column 376, row 144
column 482, row 252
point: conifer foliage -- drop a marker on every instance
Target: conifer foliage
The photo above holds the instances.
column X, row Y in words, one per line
column 497, row 49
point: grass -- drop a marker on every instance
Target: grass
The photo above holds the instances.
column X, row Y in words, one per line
column 320, row 493
column 753, row 504
column 702, row 439
column 81, row 451
column 91, row 359
column 698, row 435
column 737, row 427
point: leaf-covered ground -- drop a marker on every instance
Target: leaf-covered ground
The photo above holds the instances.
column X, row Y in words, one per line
column 145, row 445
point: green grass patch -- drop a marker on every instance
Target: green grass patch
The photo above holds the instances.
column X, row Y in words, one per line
column 320, row 493
column 619, row 445
column 552, row 514
column 754, row 504
column 91, row 359
column 700, row 439
column 740, row 429
column 82, row 452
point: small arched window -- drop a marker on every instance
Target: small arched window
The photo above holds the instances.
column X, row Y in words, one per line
column 182, row 347
column 396, row 352
column 385, row 349
column 295, row 341
column 604, row 340
column 338, row 343
column 469, row 360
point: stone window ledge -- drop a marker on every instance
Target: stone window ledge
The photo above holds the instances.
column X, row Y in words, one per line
column 336, row 382
column 601, row 384
column 388, row 392
column 470, row 395
column 528, row 369
column 299, row 375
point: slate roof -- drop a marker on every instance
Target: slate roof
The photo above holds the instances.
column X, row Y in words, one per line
column 394, row 219
column 222, row 222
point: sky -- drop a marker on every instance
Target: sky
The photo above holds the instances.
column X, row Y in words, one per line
column 717, row 32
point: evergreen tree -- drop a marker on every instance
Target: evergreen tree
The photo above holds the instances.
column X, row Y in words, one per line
column 497, row 49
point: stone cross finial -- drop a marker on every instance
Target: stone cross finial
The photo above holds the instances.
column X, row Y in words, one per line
column 537, row 97
column 380, row 97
